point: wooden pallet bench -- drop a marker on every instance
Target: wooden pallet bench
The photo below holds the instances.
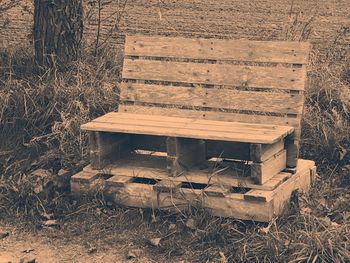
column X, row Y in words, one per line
column 197, row 107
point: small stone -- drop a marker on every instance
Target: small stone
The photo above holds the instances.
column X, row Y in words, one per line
column 92, row 250
column 51, row 223
column 133, row 253
column 28, row 260
column 4, row 234
column 28, row 250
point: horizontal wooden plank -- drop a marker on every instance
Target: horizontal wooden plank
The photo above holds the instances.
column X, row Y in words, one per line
column 211, row 115
column 153, row 167
column 256, row 204
column 284, row 103
column 215, row 74
column 198, row 122
column 218, row 49
column 187, row 128
column 262, row 152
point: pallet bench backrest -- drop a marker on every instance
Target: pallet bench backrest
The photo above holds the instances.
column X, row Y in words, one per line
column 228, row 80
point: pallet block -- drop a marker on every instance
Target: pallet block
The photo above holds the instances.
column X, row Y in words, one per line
column 138, row 183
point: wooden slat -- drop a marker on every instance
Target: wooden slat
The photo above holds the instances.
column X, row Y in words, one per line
column 154, row 167
column 214, row 98
column 211, row 115
column 188, row 128
column 262, row 172
column 262, row 152
column 215, row 190
column 215, row 74
column 118, row 181
column 179, row 121
column 166, row 186
column 217, row 49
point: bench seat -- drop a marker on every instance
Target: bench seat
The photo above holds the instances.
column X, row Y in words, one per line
column 156, row 125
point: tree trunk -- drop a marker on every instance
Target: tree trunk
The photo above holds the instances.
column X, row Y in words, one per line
column 58, row 30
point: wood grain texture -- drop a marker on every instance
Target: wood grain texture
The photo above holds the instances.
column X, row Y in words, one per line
column 154, row 167
column 218, row 98
column 256, row 204
column 57, row 32
column 301, row 180
column 188, row 128
column 211, row 115
column 264, row 171
column 218, row 49
column 105, row 148
column 262, row 152
column 215, row 74
column 189, row 153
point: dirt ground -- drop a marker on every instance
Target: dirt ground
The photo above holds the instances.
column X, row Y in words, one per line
column 41, row 246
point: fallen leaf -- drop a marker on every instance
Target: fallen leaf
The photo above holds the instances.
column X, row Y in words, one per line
column 287, row 243
column 172, row 226
column 50, row 223
column 334, row 224
column 305, row 211
column 326, row 221
column 346, row 216
column 155, row 241
column 265, row 230
column 190, row 223
column 47, row 216
column 133, row 253
column 346, row 168
column 342, row 152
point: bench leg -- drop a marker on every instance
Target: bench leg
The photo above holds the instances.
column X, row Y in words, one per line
column 262, row 172
column 184, row 154
column 292, row 146
column 268, row 160
column 105, row 148
column 262, row 152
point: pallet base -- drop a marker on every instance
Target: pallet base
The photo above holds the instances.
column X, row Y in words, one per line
column 140, row 185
